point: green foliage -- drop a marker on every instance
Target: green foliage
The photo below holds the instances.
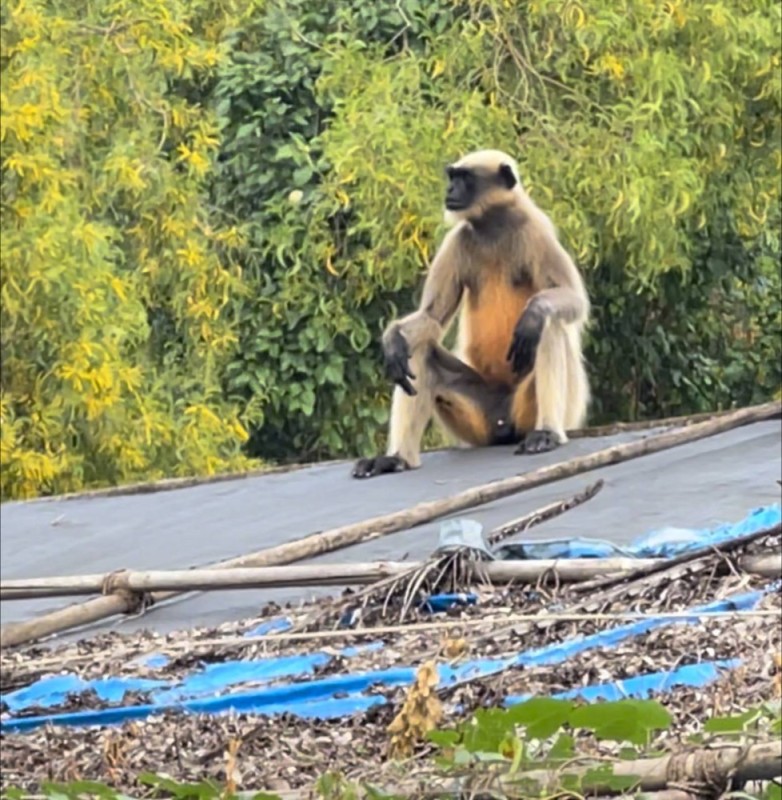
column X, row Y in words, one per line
column 755, row 721
column 534, row 735
column 651, row 136
column 307, row 367
column 623, row 721
column 541, row 734
column 117, row 307
column 546, row 724
column 211, row 210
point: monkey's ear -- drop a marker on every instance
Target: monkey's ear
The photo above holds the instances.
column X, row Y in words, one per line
column 507, row 176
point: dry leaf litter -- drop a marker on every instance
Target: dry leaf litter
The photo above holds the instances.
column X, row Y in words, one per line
column 281, row 752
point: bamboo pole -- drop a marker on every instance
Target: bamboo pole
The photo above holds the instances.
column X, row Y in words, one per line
column 191, row 580
column 613, row 428
column 348, row 535
column 350, row 574
column 713, row 767
column 523, row 523
column 761, row 761
column 338, row 574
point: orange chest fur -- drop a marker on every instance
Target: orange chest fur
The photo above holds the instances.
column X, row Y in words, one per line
column 488, row 318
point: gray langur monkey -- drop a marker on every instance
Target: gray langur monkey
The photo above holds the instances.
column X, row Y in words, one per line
column 517, row 375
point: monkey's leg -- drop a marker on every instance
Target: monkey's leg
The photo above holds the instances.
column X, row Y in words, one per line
column 465, row 419
column 542, row 398
column 409, row 417
column 475, row 412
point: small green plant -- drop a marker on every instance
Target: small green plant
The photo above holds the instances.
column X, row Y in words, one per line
column 539, row 734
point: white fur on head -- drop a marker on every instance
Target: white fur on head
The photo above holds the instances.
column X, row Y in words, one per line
column 491, row 160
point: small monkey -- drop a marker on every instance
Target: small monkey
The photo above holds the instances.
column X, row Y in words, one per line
column 517, row 375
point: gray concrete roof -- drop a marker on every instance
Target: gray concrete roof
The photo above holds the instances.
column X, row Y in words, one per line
column 712, row 481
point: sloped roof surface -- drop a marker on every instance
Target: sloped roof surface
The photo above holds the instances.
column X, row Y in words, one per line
column 715, row 480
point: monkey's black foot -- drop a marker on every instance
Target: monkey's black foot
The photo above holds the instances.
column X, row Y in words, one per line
column 381, row 465
column 537, row 442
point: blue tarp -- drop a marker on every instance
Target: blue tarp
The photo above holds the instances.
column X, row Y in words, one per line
column 662, row 543
column 214, row 688
column 641, row 686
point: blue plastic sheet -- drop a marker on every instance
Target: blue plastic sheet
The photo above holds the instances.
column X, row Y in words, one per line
column 213, row 678
column 54, row 690
column 669, row 542
column 641, row 686
column 277, row 625
column 344, row 695
column 437, row 603
column 218, row 687
column 661, row 543
column 560, row 548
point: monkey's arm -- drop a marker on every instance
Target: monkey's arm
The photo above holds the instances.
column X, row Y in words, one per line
column 440, row 299
column 562, row 304
column 562, row 298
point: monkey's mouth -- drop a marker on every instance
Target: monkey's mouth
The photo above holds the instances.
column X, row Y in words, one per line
column 455, row 205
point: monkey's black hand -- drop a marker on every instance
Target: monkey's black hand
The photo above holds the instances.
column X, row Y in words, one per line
column 381, row 465
column 526, row 338
column 397, row 357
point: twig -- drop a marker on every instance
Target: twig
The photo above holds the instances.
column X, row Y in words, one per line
column 601, row 600
column 543, row 514
column 390, row 586
column 646, row 424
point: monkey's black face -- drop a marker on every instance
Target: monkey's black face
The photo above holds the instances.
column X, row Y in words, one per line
column 462, row 188
column 466, row 186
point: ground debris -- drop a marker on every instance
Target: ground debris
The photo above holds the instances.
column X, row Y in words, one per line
column 286, row 750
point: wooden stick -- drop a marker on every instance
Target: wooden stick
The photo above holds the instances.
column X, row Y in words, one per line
column 702, row 767
column 338, row 574
column 646, row 424
column 347, row 535
column 542, row 514
column 761, row 761
column 284, row 576
column 765, row 565
column 190, row 580
column 209, row 645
